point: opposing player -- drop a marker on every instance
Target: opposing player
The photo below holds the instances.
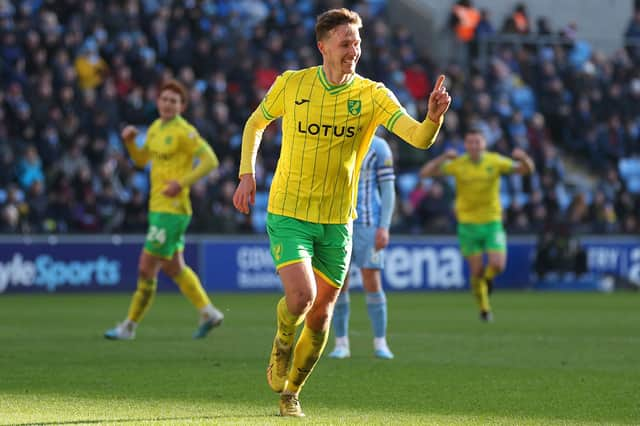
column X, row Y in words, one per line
column 376, row 199
column 478, row 210
column 329, row 115
column 171, row 146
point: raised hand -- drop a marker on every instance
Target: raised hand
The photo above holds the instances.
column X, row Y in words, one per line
column 450, row 154
column 518, row 154
column 129, row 133
column 439, row 100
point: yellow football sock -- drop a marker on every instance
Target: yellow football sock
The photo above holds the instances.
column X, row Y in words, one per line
column 142, row 299
column 490, row 273
column 305, row 356
column 287, row 323
column 190, row 286
column 481, row 292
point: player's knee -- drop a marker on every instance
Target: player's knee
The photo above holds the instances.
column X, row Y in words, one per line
column 476, row 272
column 147, row 285
column 319, row 319
column 301, row 304
column 146, row 273
column 498, row 267
column 171, row 270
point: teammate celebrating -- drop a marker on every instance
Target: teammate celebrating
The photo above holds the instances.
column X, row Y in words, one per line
column 376, row 199
column 478, row 210
column 171, row 146
column 329, row 115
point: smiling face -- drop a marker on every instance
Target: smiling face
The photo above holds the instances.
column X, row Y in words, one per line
column 169, row 104
column 341, row 49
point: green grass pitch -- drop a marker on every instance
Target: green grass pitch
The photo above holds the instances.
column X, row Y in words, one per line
column 548, row 359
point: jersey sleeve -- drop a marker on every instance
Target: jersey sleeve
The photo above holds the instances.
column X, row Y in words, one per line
column 387, row 106
column 192, row 142
column 394, row 118
column 448, row 168
column 272, row 105
column 504, row 164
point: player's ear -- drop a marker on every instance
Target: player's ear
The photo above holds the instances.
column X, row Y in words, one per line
column 320, row 47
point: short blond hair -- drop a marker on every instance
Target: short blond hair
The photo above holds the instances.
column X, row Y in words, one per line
column 333, row 18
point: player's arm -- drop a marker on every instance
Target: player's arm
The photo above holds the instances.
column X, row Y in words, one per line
column 386, row 181
column 388, row 202
column 423, row 135
column 523, row 164
column 139, row 156
column 251, row 137
column 434, row 167
column 271, row 107
column 207, row 161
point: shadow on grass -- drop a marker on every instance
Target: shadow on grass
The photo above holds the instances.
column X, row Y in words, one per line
column 137, row 420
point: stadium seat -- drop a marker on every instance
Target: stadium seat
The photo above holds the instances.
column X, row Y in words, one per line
column 522, row 198
column 406, row 183
column 262, row 199
column 259, row 220
column 633, row 184
column 140, row 180
column 268, row 179
column 563, row 196
column 629, row 167
column 505, row 199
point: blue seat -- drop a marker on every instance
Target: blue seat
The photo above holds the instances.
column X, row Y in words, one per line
column 629, row 167
column 140, row 180
column 505, row 199
column 259, row 220
column 633, row 184
column 563, row 196
column 262, row 199
column 522, row 198
column 406, row 183
column 268, row 179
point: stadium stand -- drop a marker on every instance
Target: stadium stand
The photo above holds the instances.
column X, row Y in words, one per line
column 73, row 72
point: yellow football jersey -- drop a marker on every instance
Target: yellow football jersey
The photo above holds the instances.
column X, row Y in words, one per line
column 326, row 132
column 478, row 186
column 171, row 148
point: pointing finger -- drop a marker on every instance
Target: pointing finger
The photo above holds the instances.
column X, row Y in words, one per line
column 439, row 83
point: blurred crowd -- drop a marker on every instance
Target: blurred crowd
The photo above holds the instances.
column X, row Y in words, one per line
column 74, row 71
column 556, row 98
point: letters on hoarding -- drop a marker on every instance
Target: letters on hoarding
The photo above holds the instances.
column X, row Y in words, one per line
column 428, row 263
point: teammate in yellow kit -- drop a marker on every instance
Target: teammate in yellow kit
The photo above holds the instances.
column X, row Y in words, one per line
column 478, row 210
column 329, row 116
column 171, row 146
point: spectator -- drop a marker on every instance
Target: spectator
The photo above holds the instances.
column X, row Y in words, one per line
column 30, row 168
column 464, row 19
column 91, row 68
column 518, row 21
column 563, row 92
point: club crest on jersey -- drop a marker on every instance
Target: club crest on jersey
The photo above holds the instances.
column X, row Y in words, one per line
column 354, row 107
column 277, row 251
column 168, row 140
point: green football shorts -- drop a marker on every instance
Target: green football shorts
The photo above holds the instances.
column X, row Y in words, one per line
column 480, row 238
column 165, row 235
column 327, row 245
